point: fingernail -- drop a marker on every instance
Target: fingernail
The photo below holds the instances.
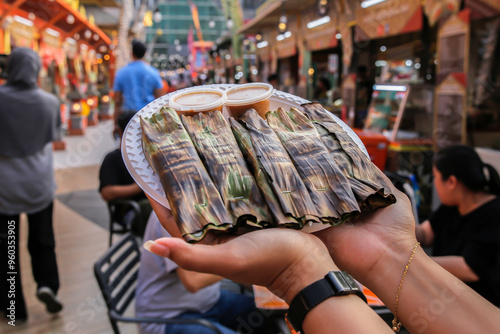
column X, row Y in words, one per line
column 147, row 245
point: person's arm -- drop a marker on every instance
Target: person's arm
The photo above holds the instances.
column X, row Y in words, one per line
column 112, row 192
column 283, row 260
column 424, row 233
column 375, row 250
column 457, row 266
column 194, row 281
column 158, row 93
column 432, row 300
column 118, row 98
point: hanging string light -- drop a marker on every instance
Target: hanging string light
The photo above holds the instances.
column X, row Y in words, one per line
column 157, row 17
column 283, row 22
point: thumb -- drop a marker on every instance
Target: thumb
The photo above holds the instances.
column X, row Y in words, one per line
column 201, row 258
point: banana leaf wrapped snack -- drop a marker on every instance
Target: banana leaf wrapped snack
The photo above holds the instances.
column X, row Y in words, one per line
column 220, row 153
column 283, row 177
column 194, row 200
column 328, row 186
column 245, row 142
column 293, row 168
column 368, row 183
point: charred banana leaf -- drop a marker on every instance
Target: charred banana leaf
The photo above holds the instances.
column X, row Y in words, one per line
column 245, row 143
column 371, row 189
column 328, row 186
column 194, row 200
column 222, row 157
column 282, row 175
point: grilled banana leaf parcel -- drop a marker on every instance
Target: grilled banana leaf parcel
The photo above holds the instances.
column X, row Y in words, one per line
column 372, row 189
column 224, row 161
column 328, row 186
column 245, row 142
column 282, row 175
column 194, row 200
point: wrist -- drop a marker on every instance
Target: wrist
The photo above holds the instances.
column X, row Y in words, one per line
column 334, row 284
column 295, row 279
column 387, row 273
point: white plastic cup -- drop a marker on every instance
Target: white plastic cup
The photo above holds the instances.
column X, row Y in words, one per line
column 195, row 100
column 246, row 96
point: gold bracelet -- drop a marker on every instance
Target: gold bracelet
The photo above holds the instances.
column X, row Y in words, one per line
column 396, row 324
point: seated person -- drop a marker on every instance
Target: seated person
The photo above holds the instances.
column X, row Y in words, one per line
column 465, row 229
column 116, row 182
column 322, row 88
column 166, row 291
column 274, row 80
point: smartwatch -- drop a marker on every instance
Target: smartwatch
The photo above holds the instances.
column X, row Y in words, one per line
column 335, row 283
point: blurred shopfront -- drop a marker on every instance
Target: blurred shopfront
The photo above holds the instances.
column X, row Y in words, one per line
column 70, row 46
column 416, row 75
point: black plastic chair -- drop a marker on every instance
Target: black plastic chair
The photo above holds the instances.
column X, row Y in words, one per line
column 122, row 213
column 116, row 272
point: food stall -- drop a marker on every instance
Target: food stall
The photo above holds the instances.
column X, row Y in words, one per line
column 55, row 29
column 402, row 113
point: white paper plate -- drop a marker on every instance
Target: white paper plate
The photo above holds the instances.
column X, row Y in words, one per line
column 146, row 178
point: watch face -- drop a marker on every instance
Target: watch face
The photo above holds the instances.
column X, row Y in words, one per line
column 322, row 7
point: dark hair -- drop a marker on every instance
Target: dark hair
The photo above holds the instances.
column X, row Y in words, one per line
column 124, row 118
column 138, row 49
column 465, row 164
column 326, row 83
column 362, row 69
column 272, row 77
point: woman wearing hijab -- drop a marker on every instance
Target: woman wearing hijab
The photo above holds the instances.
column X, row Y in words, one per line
column 465, row 230
column 29, row 118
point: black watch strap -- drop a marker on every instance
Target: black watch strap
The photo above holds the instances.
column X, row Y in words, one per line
column 335, row 283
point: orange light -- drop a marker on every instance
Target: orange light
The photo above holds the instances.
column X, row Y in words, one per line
column 90, row 102
column 106, row 57
column 105, row 98
column 76, row 107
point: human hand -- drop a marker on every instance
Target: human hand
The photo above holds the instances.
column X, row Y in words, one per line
column 364, row 247
column 283, row 260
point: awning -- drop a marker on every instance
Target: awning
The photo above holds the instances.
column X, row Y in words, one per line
column 269, row 13
column 53, row 14
column 388, row 18
column 483, row 8
column 287, row 49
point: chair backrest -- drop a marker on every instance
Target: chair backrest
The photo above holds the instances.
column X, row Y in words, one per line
column 116, row 272
column 122, row 212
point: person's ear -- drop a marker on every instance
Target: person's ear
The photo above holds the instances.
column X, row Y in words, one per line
column 452, row 182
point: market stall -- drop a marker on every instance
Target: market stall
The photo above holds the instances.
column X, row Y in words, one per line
column 56, row 29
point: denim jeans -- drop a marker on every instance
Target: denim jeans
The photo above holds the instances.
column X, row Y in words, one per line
column 230, row 314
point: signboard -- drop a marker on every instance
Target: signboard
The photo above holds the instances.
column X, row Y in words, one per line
column 286, row 48
column 437, row 9
column 349, row 99
column 199, row 54
column 319, row 31
column 388, row 18
column 453, row 45
column 333, row 63
column 386, row 108
column 21, row 34
column 449, row 111
column 322, row 39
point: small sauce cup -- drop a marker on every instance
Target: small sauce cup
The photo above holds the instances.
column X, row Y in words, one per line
column 196, row 100
column 246, row 96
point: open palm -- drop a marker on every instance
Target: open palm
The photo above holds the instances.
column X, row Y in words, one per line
column 357, row 247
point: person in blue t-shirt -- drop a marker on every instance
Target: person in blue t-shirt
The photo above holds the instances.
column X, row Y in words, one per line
column 136, row 84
